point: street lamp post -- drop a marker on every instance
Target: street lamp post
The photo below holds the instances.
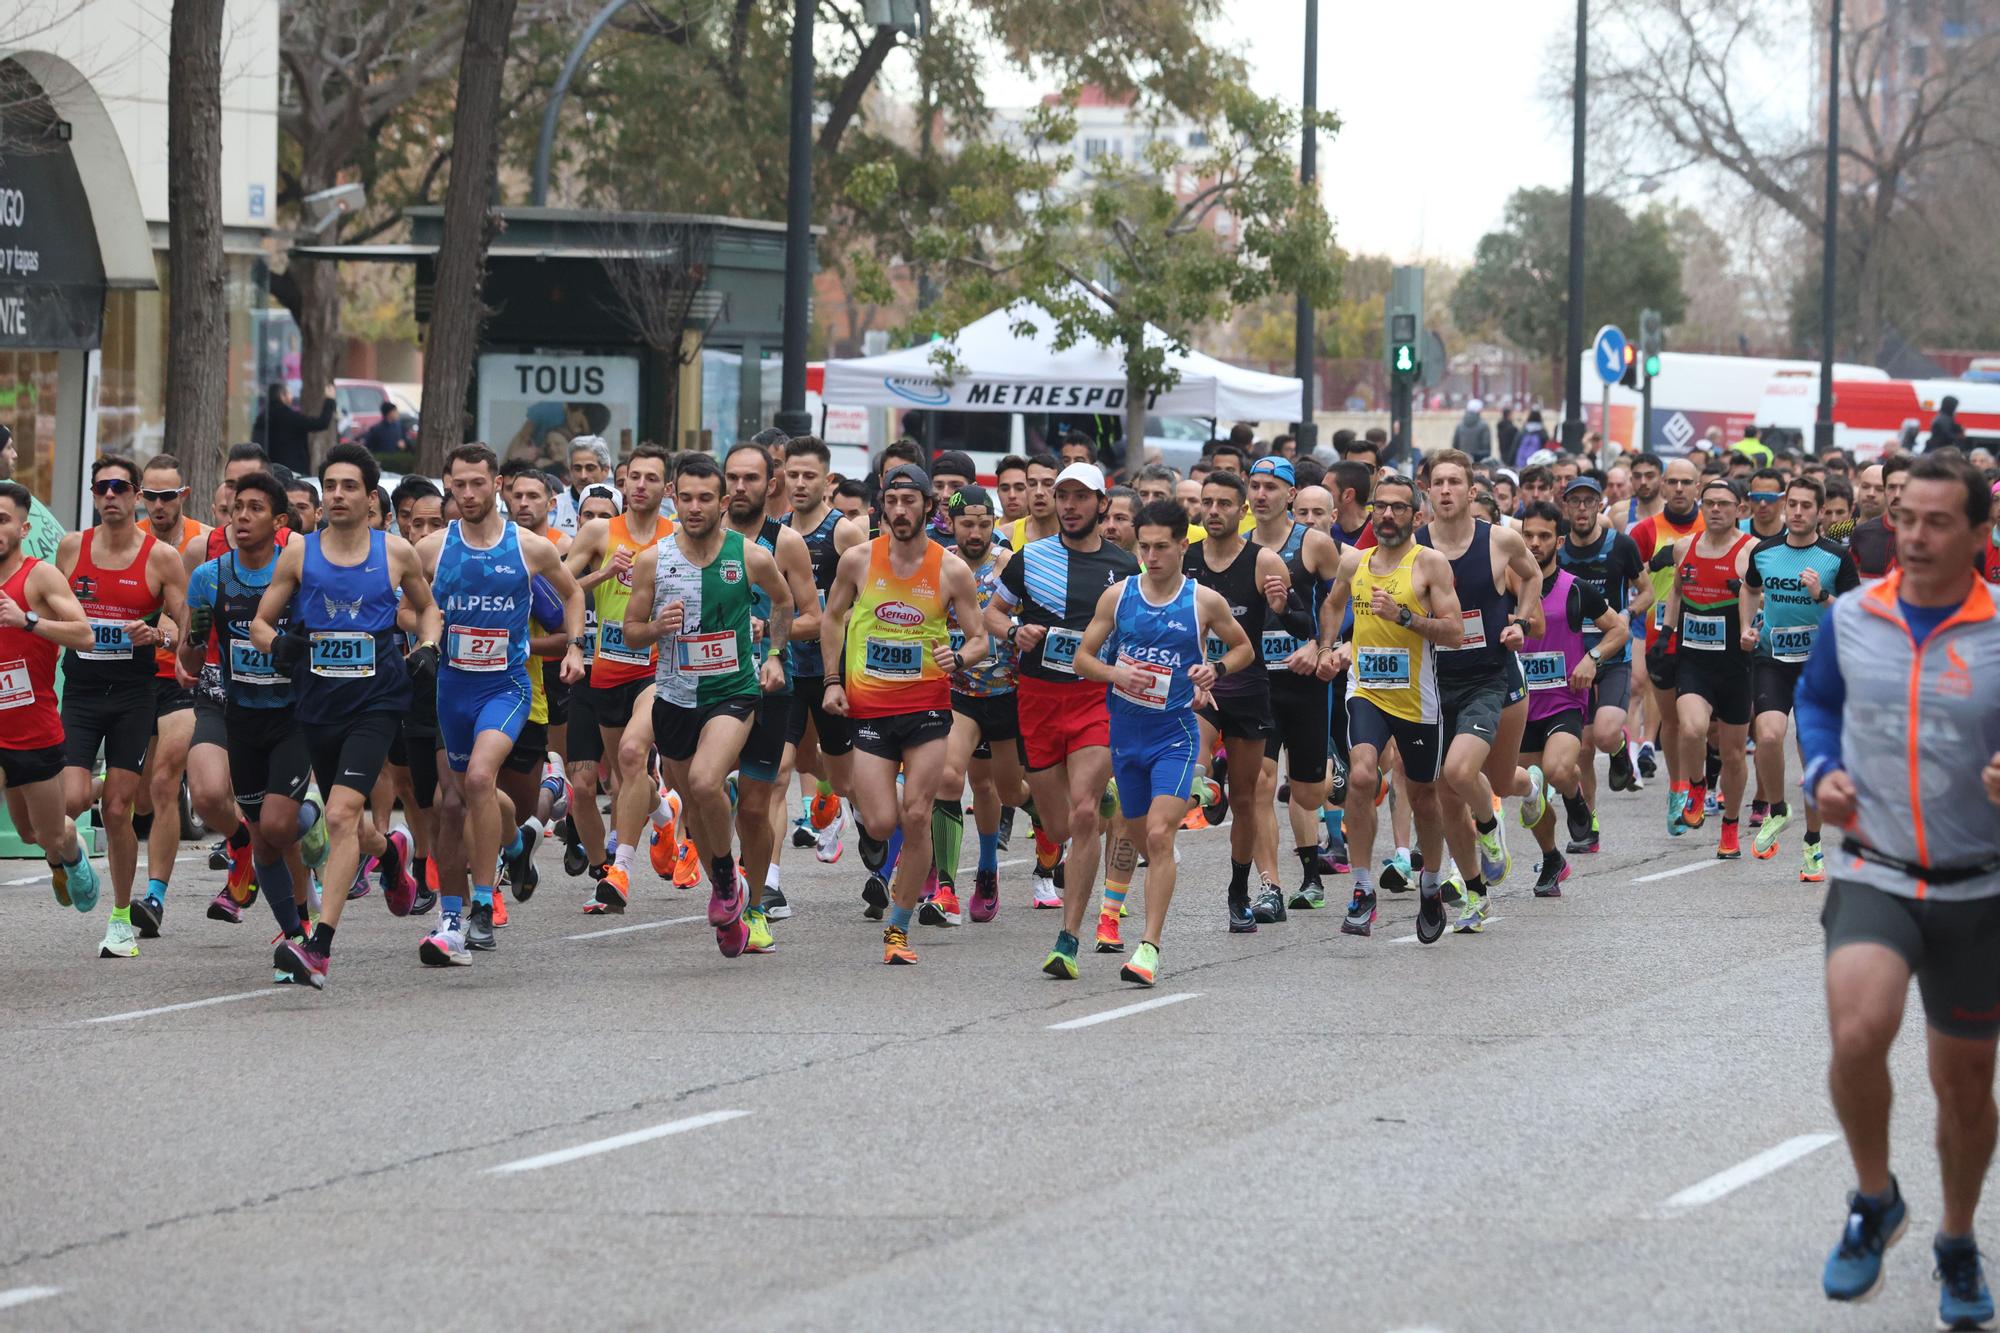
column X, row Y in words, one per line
column 1572, row 427
column 1303, row 341
column 792, row 418
column 1829, row 228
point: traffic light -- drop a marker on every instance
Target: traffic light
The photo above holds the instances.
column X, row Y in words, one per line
column 1630, row 379
column 1652, row 341
column 1403, row 344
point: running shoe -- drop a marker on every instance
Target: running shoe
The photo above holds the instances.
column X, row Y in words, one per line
column 1006, row 834
column 1621, row 769
column 731, row 940
column 1731, row 846
column 726, row 909
column 775, row 906
column 399, row 887
column 120, row 940
column 687, row 870
column 1759, row 811
column 1269, row 906
column 293, row 962
column 1107, row 804
column 1711, row 804
column 829, row 843
column 985, row 895
column 1332, row 857
column 1360, row 914
column 1494, row 862
column 1649, row 767
column 576, row 861
column 614, row 890
column 1397, row 874
column 1471, row 915
column 59, row 882
column 802, row 833
column 665, row 849
column 499, row 907
column 1310, row 897
column 1430, row 918
column 1854, row 1268
column 1963, row 1300
column 1061, row 962
column 1694, row 816
column 824, row 810
column 1108, row 940
column 312, row 847
column 361, row 888
column 222, row 907
column 218, row 855
column 1677, row 804
column 146, row 915
column 1242, row 920
column 479, row 928
column 1144, row 969
column 1453, row 888
column 1195, row 820
column 1766, row 844
column 446, row 946
column 1044, row 886
column 1812, row 864
column 941, row 908
column 1549, row 879
column 521, row 872
column 1582, row 832
column 1536, row 803
column 874, row 897
column 424, row 903
column 759, row 923
column 241, row 872
column 896, row 946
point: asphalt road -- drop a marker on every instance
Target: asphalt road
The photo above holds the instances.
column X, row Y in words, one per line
column 605, row 1123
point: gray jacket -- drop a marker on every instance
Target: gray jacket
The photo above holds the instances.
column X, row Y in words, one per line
column 1473, row 436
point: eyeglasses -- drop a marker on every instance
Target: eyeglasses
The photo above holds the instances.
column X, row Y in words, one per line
column 161, row 497
column 1767, row 497
column 110, row 486
column 1395, row 507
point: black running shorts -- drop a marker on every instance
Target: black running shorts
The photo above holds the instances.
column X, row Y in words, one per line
column 1950, row 946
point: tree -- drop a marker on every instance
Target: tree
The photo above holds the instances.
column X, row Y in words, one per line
column 1176, row 239
column 1519, row 279
column 657, row 268
column 197, row 284
column 1685, row 83
column 457, row 310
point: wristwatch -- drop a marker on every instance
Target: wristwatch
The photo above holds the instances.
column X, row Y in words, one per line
column 29, row 621
column 1596, row 656
column 1403, row 617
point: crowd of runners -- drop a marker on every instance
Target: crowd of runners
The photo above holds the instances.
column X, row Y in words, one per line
column 645, row 656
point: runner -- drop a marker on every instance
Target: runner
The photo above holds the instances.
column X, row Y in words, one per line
column 694, row 599
column 1404, row 607
column 1300, row 667
column 1609, row 563
column 1477, row 675
column 1156, row 627
column 1873, row 541
column 893, row 679
column 1562, row 665
column 585, row 740
column 1041, row 520
column 482, row 571
column 270, row 764
column 1010, row 483
column 351, row 686
column 412, row 765
column 589, row 465
column 1713, row 615
column 1680, row 514
column 126, row 580
column 38, row 614
column 158, row 801
column 1915, row 785
column 1799, row 575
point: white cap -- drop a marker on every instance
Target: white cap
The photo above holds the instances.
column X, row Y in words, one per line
column 1543, row 458
column 1475, row 406
column 1088, row 475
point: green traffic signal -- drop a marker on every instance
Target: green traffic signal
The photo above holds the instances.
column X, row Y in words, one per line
column 1652, row 365
column 1404, row 360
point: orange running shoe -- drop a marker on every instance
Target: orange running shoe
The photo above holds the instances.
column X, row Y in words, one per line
column 687, row 866
column 1731, row 848
column 499, row 907
column 1197, row 819
column 241, row 872
column 1107, row 933
column 825, row 809
column 614, row 889
column 896, row 946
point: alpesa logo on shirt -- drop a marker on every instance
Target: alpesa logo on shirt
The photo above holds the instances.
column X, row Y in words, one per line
column 900, row 614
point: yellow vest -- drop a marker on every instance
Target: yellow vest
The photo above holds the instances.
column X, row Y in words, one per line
column 1393, row 668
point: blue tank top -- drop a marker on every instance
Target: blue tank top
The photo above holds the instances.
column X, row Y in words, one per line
column 485, row 596
column 1280, row 643
column 760, row 605
column 1163, row 640
column 805, row 654
column 349, row 614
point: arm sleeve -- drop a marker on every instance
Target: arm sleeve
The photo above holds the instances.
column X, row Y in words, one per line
column 1817, row 704
column 1591, row 604
column 1847, row 577
column 1298, row 620
column 1752, row 575
column 543, row 604
column 1013, row 583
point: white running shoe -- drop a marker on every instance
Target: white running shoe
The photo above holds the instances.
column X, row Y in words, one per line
column 120, row 941
column 445, row 946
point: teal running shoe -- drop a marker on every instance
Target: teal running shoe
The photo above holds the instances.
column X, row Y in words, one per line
column 1963, row 1300
column 82, row 886
column 1854, row 1269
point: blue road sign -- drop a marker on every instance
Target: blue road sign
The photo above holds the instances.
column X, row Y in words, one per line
column 1609, row 351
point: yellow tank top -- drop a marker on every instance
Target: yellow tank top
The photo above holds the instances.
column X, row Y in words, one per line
column 1393, row 668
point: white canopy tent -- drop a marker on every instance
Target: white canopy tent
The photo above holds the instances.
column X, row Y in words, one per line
column 999, row 370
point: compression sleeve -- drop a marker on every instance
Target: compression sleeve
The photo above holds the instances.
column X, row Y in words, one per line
column 543, row 604
column 1817, row 704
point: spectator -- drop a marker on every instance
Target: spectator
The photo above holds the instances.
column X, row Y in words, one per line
column 389, row 434
column 285, row 432
column 1506, row 433
column 1946, row 433
column 1534, row 438
column 1474, row 437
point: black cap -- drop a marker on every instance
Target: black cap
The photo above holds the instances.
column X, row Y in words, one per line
column 907, row 476
column 970, row 497
column 957, row 462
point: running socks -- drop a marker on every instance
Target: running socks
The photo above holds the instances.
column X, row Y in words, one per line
column 722, row 873
column 1239, row 883
column 899, row 916
column 1114, row 896
column 622, row 859
column 241, row 838
column 1047, row 853
column 482, row 895
column 451, row 907
column 322, row 940
column 308, row 816
column 1779, row 810
column 1486, row 826
column 947, row 837
column 989, row 853
column 156, row 889
column 873, row 853
column 1308, row 864
column 895, row 851
column 276, row 880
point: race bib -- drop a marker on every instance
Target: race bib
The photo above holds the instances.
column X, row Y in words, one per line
column 1475, row 633
column 896, row 660
column 1706, row 633
column 247, row 666
column 1659, row 615
column 1059, row 649
column 611, row 645
column 109, row 642
column 342, row 654
column 1278, row 647
column 477, row 649
column 1150, row 683
column 1793, row 643
column 1382, row 668
column 16, row 690
column 958, row 641
column 1545, row 671
column 706, row 654
column 589, row 636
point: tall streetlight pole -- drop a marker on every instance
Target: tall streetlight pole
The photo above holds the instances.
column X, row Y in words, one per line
column 1829, row 227
column 1303, row 341
column 1572, row 427
column 793, row 419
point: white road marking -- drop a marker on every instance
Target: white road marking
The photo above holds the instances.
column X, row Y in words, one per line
column 22, row 1295
column 1412, row 939
column 1124, row 1011
column 1677, row 870
column 190, row 1004
column 27, row 879
column 1743, row 1173
column 615, row 1142
column 643, row 925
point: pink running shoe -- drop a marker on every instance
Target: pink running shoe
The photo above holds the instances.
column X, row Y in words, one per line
column 399, row 888
column 725, row 912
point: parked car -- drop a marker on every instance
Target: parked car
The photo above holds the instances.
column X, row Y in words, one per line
column 358, row 405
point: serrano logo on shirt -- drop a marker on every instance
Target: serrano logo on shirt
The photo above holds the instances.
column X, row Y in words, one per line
column 899, row 613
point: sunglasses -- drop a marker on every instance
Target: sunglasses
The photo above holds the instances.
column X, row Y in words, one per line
column 161, row 497
column 1767, row 497
column 110, row 486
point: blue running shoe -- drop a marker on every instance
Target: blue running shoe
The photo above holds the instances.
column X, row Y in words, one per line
column 82, row 886
column 1677, row 804
column 1854, row 1269
column 1963, row 1300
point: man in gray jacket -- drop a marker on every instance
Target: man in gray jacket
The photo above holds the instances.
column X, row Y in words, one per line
column 1473, row 436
